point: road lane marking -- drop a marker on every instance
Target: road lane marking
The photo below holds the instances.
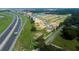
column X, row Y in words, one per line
column 8, row 36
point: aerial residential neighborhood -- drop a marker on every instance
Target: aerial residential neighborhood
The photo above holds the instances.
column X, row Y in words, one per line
column 39, row 29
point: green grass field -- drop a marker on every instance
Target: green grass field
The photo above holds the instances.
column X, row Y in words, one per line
column 25, row 41
column 5, row 21
column 66, row 44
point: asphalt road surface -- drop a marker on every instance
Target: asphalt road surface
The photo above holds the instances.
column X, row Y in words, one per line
column 13, row 36
column 9, row 36
column 7, row 31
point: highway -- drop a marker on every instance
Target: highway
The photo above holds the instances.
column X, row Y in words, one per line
column 13, row 36
column 7, row 31
column 8, row 38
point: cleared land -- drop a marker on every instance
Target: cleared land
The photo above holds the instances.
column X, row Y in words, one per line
column 51, row 19
column 5, row 21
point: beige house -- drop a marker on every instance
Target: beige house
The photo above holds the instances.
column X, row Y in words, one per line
column 29, row 13
column 39, row 24
column 55, row 24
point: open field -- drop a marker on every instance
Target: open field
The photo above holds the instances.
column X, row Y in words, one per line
column 5, row 21
column 66, row 44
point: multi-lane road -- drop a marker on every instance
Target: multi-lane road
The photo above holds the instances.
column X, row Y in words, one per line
column 10, row 35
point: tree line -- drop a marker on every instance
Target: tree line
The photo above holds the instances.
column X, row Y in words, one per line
column 71, row 28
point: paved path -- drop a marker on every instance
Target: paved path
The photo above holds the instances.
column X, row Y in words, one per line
column 53, row 35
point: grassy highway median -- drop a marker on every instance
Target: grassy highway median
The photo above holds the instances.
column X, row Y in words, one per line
column 5, row 21
column 25, row 40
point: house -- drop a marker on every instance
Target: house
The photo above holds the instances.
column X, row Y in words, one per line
column 39, row 24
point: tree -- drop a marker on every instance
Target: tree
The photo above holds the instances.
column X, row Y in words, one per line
column 33, row 28
column 70, row 32
column 71, row 28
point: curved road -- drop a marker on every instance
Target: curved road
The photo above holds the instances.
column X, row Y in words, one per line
column 8, row 37
column 4, row 35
